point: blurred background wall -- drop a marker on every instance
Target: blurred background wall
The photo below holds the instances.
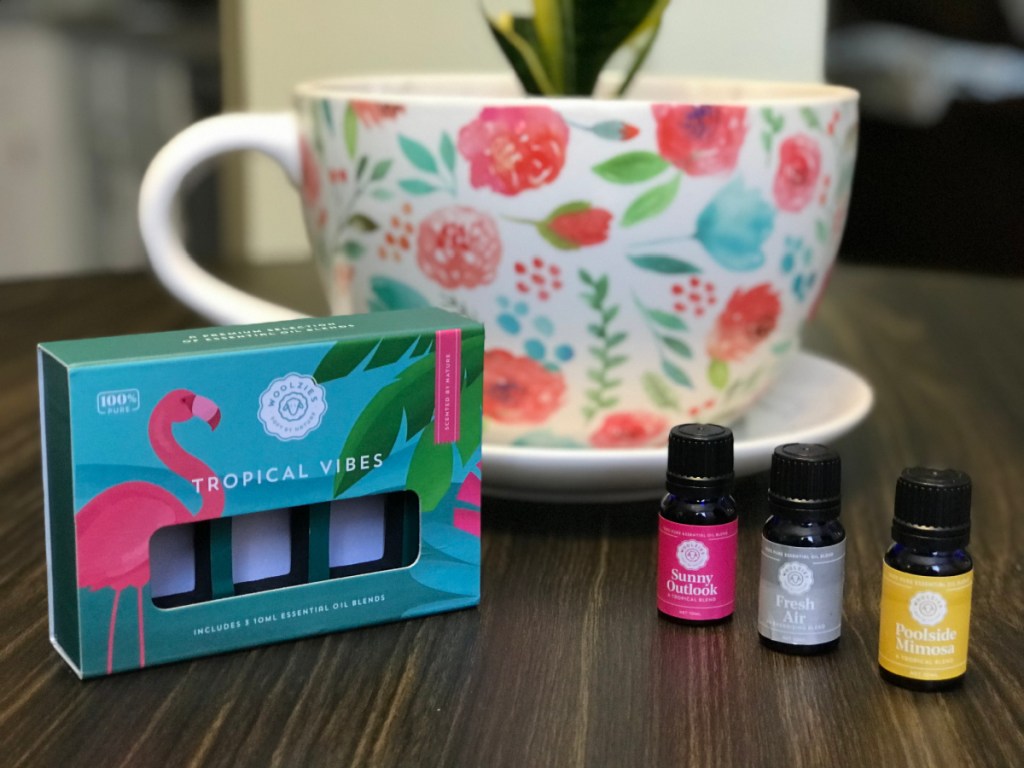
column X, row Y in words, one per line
column 90, row 89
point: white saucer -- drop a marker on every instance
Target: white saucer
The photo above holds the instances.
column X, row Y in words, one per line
column 814, row 400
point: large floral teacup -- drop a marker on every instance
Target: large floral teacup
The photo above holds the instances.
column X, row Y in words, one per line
column 637, row 262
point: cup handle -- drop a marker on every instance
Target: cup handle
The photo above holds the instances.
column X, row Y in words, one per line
column 275, row 135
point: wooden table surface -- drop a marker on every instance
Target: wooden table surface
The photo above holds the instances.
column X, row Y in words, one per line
column 565, row 663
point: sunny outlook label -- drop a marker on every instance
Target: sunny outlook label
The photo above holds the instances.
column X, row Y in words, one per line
column 696, row 570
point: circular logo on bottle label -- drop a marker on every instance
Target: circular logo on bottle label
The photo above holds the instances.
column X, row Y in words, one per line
column 928, row 608
column 795, row 578
column 291, row 407
column 692, row 555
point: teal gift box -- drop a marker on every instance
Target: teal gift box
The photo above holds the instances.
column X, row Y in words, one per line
column 214, row 489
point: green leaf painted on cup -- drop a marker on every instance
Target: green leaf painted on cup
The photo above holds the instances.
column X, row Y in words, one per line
column 353, row 249
column 652, row 202
column 417, row 186
column 392, row 294
column 447, row 152
column 718, row 374
column 631, row 167
column 362, row 222
column 666, row 265
column 665, row 319
column 351, row 131
column 380, row 170
column 658, row 391
column 417, row 154
column 678, row 346
column 676, row 374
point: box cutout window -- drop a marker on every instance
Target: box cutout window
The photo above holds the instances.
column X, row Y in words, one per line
column 373, row 533
column 179, row 565
column 269, row 550
column 243, row 554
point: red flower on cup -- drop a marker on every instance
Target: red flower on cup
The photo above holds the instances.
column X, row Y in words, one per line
column 519, row 390
column 588, row 226
column 748, row 319
column 371, row 113
column 797, row 176
column 513, row 149
column 458, row 247
column 701, row 140
column 310, row 175
column 630, row 429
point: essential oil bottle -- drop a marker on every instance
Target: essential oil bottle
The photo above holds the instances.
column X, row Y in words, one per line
column 697, row 527
column 926, row 582
column 803, row 552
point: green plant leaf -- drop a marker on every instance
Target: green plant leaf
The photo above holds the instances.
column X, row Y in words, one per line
column 517, row 39
column 631, row 167
column 361, row 166
column 430, row 470
column 351, row 131
column 718, row 374
column 652, row 202
column 564, row 47
column 417, row 186
column 676, row 374
column 666, row 265
column 417, row 154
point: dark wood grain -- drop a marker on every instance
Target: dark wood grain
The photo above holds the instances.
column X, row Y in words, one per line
column 565, row 662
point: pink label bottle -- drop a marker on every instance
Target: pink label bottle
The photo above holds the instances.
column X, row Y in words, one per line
column 697, row 527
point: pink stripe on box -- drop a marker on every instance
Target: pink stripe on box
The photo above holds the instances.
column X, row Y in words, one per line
column 447, row 384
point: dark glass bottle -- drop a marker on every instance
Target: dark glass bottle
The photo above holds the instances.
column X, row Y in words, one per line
column 697, row 527
column 926, row 582
column 803, row 552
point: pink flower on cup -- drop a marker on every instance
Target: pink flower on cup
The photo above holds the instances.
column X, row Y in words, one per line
column 797, row 176
column 458, row 247
column 513, row 149
column 630, row 429
column 701, row 140
column 372, row 113
column 310, row 175
column 519, row 390
column 747, row 320
column 583, row 227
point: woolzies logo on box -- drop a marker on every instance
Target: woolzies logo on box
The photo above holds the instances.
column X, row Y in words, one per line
column 292, row 406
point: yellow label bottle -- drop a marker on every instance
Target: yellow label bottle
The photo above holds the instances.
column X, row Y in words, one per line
column 926, row 582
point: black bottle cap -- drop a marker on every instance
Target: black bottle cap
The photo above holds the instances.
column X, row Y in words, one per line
column 805, row 482
column 933, row 506
column 699, row 457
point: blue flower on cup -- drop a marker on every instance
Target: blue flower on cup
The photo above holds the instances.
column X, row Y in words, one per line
column 734, row 226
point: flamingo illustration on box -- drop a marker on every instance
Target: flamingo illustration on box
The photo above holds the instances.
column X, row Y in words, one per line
column 114, row 527
column 191, row 480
